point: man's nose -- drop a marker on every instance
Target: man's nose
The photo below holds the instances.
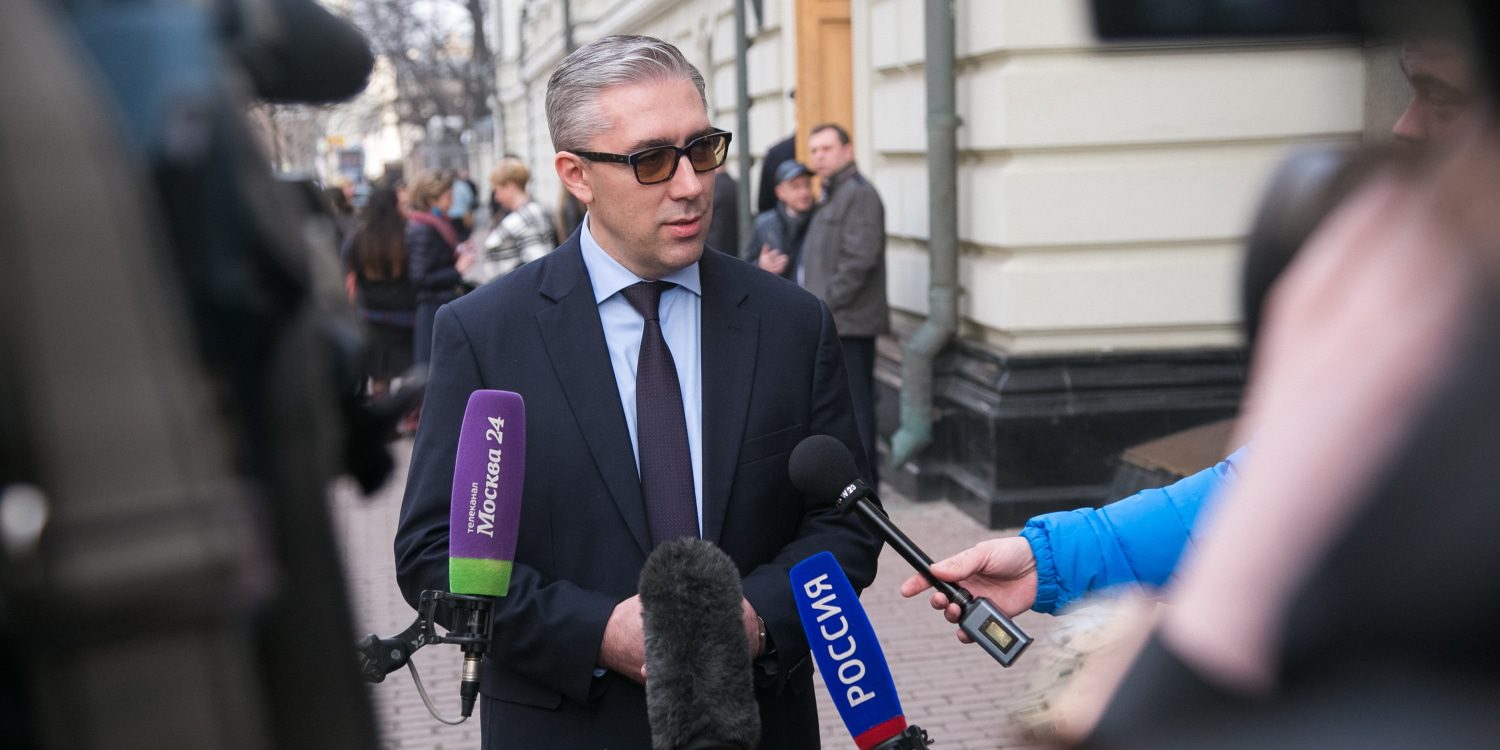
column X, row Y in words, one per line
column 1410, row 128
column 685, row 184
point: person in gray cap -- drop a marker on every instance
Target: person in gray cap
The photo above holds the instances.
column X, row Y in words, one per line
column 776, row 240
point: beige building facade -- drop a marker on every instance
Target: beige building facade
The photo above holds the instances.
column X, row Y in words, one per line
column 1103, row 196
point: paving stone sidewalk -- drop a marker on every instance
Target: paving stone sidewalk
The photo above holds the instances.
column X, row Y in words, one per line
column 958, row 694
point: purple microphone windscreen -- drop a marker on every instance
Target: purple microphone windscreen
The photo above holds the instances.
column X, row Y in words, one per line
column 844, row 647
column 488, row 471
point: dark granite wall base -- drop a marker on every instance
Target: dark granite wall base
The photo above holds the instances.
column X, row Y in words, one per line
column 1022, row 435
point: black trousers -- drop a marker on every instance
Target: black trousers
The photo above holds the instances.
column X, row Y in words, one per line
column 859, row 360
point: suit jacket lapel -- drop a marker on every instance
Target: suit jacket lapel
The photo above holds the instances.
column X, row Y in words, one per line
column 729, row 339
column 574, row 338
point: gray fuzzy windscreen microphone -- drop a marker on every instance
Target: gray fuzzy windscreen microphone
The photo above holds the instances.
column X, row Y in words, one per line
column 699, row 691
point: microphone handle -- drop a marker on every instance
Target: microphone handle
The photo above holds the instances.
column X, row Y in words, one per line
column 989, row 627
column 908, row 549
column 474, row 625
column 468, row 685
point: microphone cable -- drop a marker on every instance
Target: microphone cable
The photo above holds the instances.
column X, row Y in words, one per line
column 422, row 691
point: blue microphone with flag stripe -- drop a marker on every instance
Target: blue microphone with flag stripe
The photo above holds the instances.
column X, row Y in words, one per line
column 849, row 657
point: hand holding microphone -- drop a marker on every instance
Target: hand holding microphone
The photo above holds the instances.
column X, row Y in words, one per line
column 822, row 468
column 1001, row 570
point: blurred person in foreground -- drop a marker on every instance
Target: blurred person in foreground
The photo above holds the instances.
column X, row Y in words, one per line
column 1345, row 592
column 665, row 388
column 524, row 233
column 375, row 255
column 776, row 238
column 433, row 263
column 1061, row 557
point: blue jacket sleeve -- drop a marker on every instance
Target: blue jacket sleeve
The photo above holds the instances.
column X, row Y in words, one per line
column 1137, row 540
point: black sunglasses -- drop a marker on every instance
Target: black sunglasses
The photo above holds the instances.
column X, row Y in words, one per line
column 659, row 164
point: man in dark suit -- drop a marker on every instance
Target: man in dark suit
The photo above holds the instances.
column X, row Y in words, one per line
column 724, row 230
column 779, row 153
column 618, row 462
column 843, row 263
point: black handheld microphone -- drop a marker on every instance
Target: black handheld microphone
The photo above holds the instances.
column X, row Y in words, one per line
column 822, row 468
column 699, row 687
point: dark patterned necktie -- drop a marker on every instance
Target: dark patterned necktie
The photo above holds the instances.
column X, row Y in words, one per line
column 660, row 427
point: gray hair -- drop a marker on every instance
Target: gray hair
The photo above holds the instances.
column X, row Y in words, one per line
column 573, row 114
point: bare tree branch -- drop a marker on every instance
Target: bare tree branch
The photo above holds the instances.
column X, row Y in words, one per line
column 438, row 50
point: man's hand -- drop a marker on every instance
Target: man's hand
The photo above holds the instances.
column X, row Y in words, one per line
column 1002, row 570
column 772, row 260
column 752, row 628
column 624, row 646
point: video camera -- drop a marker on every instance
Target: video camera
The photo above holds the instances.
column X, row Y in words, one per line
column 1311, row 183
column 176, row 387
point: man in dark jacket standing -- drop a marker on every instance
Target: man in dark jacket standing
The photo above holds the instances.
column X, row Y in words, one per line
column 776, row 239
column 665, row 388
column 779, row 153
column 843, row 263
column 724, row 227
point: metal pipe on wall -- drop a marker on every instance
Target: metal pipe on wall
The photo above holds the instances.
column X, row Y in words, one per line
column 917, row 411
column 742, row 121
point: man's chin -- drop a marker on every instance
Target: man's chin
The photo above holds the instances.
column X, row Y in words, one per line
column 679, row 253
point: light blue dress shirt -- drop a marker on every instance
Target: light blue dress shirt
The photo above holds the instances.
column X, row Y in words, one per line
column 681, row 316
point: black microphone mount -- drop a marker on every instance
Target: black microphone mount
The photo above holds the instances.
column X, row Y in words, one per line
column 471, row 631
column 914, row 738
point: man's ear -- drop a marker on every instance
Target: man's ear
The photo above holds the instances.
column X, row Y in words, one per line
column 574, row 177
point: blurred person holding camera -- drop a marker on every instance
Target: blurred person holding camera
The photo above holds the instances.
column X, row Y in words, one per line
column 1061, row 557
column 1297, row 617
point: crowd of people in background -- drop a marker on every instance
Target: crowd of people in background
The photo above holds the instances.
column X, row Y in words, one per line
column 408, row 248
column 522, row 231
column 411, row 247
column 834, row 247
column 414, row 251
